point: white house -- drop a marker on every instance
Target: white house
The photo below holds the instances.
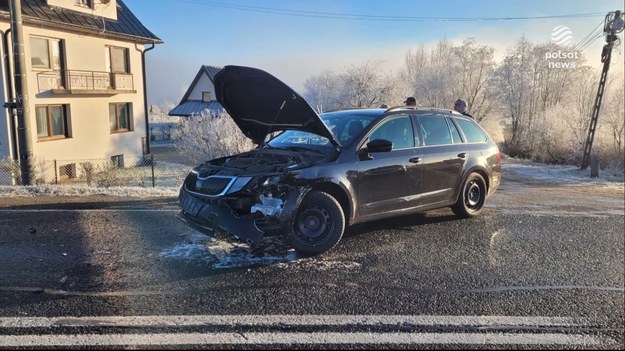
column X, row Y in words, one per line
column 200, row 96
column 85, row 75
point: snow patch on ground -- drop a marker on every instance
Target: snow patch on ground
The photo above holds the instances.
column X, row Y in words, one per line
column 224, row 254
column 78, row 190
column 221, row 254
column 569, row 175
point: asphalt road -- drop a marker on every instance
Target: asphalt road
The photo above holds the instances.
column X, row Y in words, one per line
column 543, row 266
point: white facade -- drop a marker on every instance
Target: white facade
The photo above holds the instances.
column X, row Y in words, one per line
column 85, row 94
column 204, row 84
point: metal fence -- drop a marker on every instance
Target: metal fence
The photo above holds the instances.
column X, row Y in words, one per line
column 142, row 171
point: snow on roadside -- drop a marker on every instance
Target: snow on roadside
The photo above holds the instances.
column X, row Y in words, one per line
column 78, row 190
column 569, row 175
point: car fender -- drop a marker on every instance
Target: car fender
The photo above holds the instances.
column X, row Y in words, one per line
column 481, row 170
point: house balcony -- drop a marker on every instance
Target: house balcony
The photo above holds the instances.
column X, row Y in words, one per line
column 75, row 82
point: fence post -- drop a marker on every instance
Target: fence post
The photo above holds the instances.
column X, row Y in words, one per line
column 152, row 164
column 56, row 173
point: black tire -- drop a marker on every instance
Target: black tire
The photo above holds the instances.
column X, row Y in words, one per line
column 318, row 225
column 472, row 196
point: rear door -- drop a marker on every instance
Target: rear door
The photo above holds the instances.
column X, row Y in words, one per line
column 444, row 158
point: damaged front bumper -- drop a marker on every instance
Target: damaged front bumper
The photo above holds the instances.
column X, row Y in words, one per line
column 209, row 216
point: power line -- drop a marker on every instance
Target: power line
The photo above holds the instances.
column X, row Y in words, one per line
column 597, row 30
column 363, row 17
column 590, row 38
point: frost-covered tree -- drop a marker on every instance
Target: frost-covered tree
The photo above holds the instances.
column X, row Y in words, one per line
column 447, row 72
column 364, row 85
column 322, row 91
column 614, row 112
column 207, row 136
column 528, row 86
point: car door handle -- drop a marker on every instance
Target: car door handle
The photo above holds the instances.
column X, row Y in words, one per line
column 462, row 155
column 415, row 160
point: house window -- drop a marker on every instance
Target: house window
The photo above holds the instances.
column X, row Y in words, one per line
column 119, row 117
column 52, row 122
column 206, row 96
column 45, row 53
column 86, row 3
column 117, row 59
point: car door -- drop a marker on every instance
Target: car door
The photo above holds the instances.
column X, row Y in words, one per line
column 444, row 158
column 389, row 181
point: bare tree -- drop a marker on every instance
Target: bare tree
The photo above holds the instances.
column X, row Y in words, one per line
column 580, row 100
column 473, row 67
column 449, row 72
column 208, row 136
column 614, row 117
column 433, row 81
column 529, row 85
column 322, row 91
column 512, row 82
column 366, row 85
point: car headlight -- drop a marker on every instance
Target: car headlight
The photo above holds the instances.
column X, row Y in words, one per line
column 239, row 184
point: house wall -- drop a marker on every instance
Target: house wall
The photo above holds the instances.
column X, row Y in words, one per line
column 89, row 114
column 105, row 10
column 203, row 84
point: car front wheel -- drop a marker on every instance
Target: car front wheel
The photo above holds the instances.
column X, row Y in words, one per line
column 319, row 224
column 472, row 197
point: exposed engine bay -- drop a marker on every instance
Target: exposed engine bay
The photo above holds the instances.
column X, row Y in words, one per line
column 259, row 161
column 256, row 184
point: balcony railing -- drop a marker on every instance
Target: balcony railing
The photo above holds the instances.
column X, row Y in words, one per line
column 87, row 82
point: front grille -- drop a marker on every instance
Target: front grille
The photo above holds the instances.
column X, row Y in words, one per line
column 214, row 185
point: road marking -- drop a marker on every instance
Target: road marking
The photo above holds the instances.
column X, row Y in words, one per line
column 504, row 330
column 296, row 338
column 294, row 320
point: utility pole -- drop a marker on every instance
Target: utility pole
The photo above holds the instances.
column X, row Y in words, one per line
column 613, row 24
column 24, row 132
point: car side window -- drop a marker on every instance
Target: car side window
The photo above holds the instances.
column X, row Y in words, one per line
column 352, row 129
column 472, row 131
column 435, row 130
column 397, row 130
column 455, row 134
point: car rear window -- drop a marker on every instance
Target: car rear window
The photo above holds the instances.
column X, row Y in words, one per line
column 472, row 131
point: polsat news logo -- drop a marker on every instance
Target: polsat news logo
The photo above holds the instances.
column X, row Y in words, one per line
column 562, row 36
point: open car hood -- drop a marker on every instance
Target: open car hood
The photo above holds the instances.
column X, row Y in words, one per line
column 260, row 104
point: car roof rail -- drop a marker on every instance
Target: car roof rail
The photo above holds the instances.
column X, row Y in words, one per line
column 347, row 108
column 421, row 109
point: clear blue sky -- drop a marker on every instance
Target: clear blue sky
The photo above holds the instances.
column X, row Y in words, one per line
column 297, row 39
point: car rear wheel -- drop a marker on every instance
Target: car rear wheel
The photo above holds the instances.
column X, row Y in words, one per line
column 319, row 224
column 472, row 197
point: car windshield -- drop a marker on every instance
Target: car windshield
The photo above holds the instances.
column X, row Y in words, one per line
column 344, row 125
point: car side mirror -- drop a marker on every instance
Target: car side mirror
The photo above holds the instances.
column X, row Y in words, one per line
column 379, row 145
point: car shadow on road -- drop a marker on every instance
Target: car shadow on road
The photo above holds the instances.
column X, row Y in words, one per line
column 405, row 222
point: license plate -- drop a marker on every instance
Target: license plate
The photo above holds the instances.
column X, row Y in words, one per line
column 191, row 205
